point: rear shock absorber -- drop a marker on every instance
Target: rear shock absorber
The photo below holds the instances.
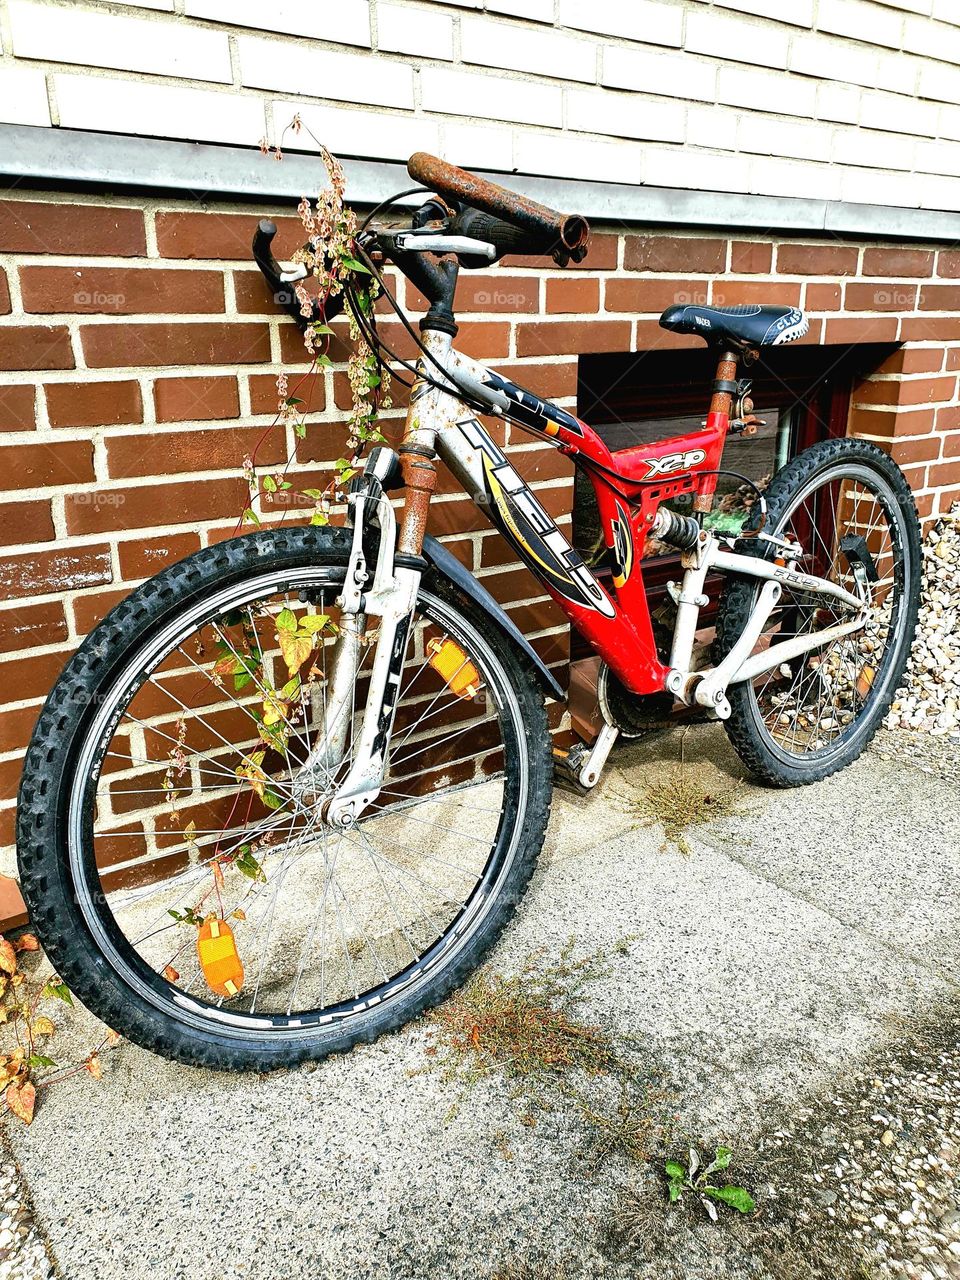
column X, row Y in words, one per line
column 682, row 532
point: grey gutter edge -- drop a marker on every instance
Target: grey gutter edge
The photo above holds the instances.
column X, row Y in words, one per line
column 31, row 155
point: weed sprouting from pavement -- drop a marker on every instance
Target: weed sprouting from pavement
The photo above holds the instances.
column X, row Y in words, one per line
column 525, row 1027
column 627, row 1129
column 527, row 1030
column 680, row 802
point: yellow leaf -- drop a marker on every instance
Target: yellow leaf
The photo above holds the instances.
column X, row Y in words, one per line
column 21, row 1099
column 42, row 1027
column 274, row 709
column 239, row 914
column 296, row 648
column 113, row 1039
column 27, row 942
column 887, row 1138
column 253, row 773
column 92, row 1065
column 171, row 974
column 8, row 957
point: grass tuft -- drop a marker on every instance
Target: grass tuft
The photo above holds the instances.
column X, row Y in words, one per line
column 525, row 1027
column 681, row 802
column 527, row 1030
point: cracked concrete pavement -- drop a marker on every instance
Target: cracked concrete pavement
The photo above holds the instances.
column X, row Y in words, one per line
column 767, row 966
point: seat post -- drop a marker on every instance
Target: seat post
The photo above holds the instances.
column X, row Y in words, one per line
column 721, row 405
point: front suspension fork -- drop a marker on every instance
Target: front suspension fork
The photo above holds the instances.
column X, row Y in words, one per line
column 391, row 598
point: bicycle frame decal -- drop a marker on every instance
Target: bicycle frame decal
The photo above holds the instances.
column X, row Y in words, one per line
column 622, row 547
column 522, row 520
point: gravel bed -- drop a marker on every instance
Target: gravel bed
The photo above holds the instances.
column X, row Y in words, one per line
column 864, row 1183
column 23, row 1252
column 930, row 698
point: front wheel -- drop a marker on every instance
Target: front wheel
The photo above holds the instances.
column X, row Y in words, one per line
column 811, row 716
column 185, row 886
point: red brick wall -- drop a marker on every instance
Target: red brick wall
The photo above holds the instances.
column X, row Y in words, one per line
column 139, row 351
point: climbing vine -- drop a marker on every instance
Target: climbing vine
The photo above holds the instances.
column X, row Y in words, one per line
column 331, row 256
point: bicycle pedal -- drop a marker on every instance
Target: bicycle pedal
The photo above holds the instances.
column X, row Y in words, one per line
column 567, row 764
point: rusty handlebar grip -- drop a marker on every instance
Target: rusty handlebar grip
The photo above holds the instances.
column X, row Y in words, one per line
column 564, row 234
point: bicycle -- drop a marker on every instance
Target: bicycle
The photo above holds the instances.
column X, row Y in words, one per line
column 287, row 795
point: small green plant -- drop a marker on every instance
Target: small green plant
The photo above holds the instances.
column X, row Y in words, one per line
column 696, row 1177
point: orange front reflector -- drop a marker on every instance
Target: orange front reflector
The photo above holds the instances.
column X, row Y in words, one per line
column 865, row 681
column 219, row 958
column 453, row 666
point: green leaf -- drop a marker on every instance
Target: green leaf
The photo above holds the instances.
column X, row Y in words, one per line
column 287, row 620
column 720, row 1161
column 319, row 518
column 736, row 1197
column 58, row 990
column 291, row 400
column 247, row 865
column 251, row 515
column 353, row 265
column 269, row 484
column 40, row 1060
column 315, row 494
column 325, row 362
column 272, row 800
column 241, row 681
column 317, row 328
column 674, row 1170
column 674, row 1190
column 314, row 622
column 299, row 430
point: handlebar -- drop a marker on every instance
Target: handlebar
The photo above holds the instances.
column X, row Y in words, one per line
column 544, row 230
column 284, row 295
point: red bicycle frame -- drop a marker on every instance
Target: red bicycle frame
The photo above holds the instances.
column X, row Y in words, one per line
column 629, row 486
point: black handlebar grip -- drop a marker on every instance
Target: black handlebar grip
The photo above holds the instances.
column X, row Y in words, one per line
column 504, row 236
column 284, row 294
column 565, row 235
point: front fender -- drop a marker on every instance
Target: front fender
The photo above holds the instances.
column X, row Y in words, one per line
column 446, row 563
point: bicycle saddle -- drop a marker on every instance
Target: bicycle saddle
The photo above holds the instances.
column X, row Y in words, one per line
column 744, row 326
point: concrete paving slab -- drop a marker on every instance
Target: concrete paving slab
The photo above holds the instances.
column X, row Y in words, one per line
column 761, row 968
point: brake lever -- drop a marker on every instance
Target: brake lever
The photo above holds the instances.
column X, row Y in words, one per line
column 437, row 242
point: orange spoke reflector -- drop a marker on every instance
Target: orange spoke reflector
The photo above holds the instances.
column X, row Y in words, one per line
column 219, row 958
column 865, row 681
column 454, row 667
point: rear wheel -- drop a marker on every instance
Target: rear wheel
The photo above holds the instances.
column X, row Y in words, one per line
column 811, row 716
column 184, row 886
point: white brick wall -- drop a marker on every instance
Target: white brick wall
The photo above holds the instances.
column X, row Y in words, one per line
column 851, row 99
column 100, row 39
